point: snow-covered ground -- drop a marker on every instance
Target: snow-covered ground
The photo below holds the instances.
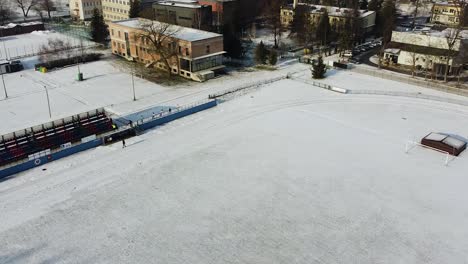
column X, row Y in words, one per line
column 30, row 44
column 289, row 173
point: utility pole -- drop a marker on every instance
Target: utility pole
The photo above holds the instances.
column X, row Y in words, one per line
column 48, row 101
column 4, row 87
column 133, row 82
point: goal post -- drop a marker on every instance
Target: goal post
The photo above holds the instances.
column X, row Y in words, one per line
column 410, row 144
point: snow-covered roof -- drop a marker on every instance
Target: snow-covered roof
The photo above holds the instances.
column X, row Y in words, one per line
column 453, row 142
column 392, row 51
column 332, row 10
column 436, row 137
column 446, row 139
column 182, row 33
column 12, row 25
column 188, row 4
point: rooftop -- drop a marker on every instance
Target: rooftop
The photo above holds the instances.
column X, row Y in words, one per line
column 183, row 33
column 331, row 10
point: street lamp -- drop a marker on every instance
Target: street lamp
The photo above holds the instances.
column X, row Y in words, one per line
column 133, row 81
column 48, row 101
column 4, row 87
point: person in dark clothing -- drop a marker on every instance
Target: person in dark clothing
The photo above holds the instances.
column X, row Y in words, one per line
column 123, row 143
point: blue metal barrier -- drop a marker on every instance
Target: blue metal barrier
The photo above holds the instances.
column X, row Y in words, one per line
column 45, row 159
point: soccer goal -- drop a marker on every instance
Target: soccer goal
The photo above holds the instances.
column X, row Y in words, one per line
column 410, row 145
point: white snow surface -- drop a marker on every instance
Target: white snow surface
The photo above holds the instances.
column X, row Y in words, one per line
column 289, row 173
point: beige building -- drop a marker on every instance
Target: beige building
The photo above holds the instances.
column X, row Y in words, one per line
column 115, row 9
column 83, row 9
column 198, row 54
column 446, row 13
column 427, row 50
column 337, row 16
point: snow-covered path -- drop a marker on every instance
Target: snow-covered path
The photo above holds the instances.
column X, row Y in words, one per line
column 288, row 173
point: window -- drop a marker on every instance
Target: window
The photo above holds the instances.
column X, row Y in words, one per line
column 112, row 32
column 180, row 50
column 187, row 52
column 207, row 48
column 118, row 32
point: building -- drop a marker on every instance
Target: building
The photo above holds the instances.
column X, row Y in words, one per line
column 337, row 16
column 446, row 13
column 187, row 13
column 224, row 11
column 198, row 54
column 115, row 9
column 450, row 144
column 427, row 50
column 84, row 9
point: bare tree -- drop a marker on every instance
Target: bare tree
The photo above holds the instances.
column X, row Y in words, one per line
column 5, row 12
column 452, row 35
column 26, row 6
column 273, row 15
column 47, row 6
column 160, row 40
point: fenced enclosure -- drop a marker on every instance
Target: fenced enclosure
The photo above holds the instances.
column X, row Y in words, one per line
column 31, row 44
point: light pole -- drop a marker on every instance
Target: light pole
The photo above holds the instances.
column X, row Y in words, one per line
column 48, row 101
column 4, row 87
column 133, row 82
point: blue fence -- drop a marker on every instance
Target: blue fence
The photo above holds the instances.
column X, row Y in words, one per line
column 45, row 159
column 185, row 112
column 92, row 144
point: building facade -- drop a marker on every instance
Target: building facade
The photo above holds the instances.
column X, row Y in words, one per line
column 84, row 9
column 115, row 9
column 446, row 13
column 196, row 54
column 224, row 11
column 427, row 50
column 337, row 16
column 184, row 13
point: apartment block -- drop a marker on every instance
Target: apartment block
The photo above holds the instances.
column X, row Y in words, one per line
column 84, row 9
column 115, row 9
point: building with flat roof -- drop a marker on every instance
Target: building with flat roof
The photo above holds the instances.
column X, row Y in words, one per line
column 337, row 15
column 83, row 9
column 183, row 13
column 197, row 54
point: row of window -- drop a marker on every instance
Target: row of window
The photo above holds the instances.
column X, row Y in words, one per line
column 97, row 3
column 118, row 2
column 114, row 17
column 116, row 10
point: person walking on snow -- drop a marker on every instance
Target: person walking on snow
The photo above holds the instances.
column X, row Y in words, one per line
column 123, row 143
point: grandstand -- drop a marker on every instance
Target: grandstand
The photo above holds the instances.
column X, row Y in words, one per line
column 27, row 143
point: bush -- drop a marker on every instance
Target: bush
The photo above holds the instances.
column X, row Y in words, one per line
column 69, row 61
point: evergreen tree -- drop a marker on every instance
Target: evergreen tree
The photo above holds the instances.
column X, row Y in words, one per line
column 261, row 53
column 363, row 4
column 387, row 20
column 374, row 5
column 272, row 57
column 99, row 32
column 300, row 20
column 134, row 9
column 323, row 29
column 319, row 69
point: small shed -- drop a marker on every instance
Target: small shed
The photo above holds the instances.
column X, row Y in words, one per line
column 447, row 143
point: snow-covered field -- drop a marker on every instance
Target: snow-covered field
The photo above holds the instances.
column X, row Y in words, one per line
column 289, row 173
